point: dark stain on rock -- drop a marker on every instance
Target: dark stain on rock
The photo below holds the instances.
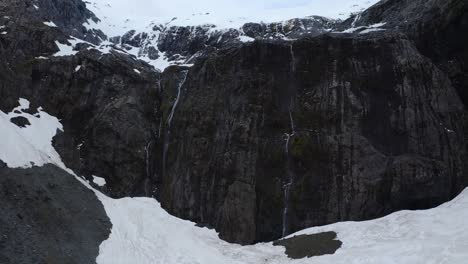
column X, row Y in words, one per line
column 314, row 245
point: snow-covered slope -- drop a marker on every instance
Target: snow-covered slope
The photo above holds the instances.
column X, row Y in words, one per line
column 30, row 145
column 148, row 29
column 119, row 16
column 144, row 233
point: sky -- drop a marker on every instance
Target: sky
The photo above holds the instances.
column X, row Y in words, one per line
column 235, row 7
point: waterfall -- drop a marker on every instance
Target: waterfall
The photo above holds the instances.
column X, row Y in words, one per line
column 148, row 172
column 169, row 122
column 177, row 100
column 293, row 58
column 289, row 174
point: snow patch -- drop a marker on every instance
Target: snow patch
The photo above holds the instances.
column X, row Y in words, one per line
column 50, row 24
column 24, row 147
column 245, row 39
column 364, row 29
column 369, row 30
column 66, row 49
column 99, row 181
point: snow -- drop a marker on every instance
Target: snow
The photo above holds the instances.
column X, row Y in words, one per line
column 137, row 71
column 36, row 7
column 365, row 29
column 3, row 32
column 31, row 145
column 245, row 39
column 144, row 233
column 119, row 16
column 77, row 68
column 66, row 49
column 50, row 24
column 99, row 181
column 369, row 30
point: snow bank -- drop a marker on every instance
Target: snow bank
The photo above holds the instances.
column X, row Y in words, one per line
column 144, row 233
column 23, row 147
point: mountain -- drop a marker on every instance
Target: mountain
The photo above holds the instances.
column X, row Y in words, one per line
column 254, row 129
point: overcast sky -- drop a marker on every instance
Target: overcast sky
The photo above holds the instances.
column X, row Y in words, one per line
column 238, row 7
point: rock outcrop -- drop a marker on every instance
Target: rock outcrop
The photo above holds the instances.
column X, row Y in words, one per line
column 47, row 216
column 107, row 101
column 352, row 127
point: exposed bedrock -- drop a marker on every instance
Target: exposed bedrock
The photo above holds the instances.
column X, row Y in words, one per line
column 377, row 128
column 47, row 216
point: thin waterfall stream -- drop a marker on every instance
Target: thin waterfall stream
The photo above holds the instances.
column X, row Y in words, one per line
column 148, row 176
column 169, row 122
column 289, row 176
column 289, row 179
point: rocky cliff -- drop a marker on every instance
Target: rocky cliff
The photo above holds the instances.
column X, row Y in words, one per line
column 275, row 136
column 307, row 125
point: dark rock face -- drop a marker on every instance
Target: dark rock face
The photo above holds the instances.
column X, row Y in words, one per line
column 47, row 216
column 292, row 29
column 107, row 102
column 435, row 26
column 108, row 113
column 314, row 245
column 377, row 127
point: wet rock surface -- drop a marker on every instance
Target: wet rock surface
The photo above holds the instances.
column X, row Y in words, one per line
column 47, row 216
column 298, row 247
column 373, row 134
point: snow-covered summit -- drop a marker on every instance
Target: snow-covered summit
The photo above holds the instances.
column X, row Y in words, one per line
column 119, row 16
column 165, row 33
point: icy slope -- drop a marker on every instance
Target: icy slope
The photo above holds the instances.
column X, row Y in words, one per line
column 144, row 233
